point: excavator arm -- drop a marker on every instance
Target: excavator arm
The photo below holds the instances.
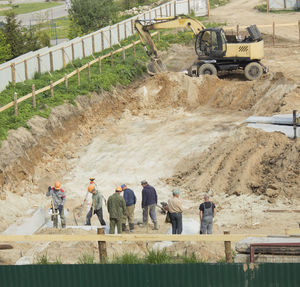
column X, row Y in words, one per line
column 144, row 26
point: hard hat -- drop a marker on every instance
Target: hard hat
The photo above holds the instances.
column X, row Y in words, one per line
column 119, row 188
column 176, row 191
column 123, row 185
column 57, row 185
column 92, row 179
column 91, row 188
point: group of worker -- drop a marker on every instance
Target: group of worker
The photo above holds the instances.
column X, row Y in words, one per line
column 121, row 208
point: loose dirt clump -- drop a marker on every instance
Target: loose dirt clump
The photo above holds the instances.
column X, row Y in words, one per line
column 249, row 161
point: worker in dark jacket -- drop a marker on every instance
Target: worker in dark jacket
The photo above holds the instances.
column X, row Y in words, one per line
column 149, row 202
column 116, row 207
column 130, row 201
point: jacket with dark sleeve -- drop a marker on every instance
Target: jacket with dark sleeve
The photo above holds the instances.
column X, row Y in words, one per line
column 116, row 206
column 149, row 196
column 129, row 197
column 58, row 196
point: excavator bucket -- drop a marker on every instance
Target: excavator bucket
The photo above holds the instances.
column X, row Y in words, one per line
column 156, row 66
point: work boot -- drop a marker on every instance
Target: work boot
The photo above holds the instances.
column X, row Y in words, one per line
column 155, row 226
column 131, row 227
column 124, row 227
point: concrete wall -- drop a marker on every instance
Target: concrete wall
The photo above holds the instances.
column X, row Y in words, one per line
column 110, row 37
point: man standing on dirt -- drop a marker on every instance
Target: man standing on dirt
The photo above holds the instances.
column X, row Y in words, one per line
column 96, row 207
column 175, row 209
column 149, row 202
column 116, row 207
column 58, row 201
column 207, row 213
column 130, row 201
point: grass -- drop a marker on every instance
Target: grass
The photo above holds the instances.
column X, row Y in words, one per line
column 123, row 72
column 263, row 8
column 43, row 260
column 32, row 7
column 86, row 258
column 217, row 3
column 62, row 27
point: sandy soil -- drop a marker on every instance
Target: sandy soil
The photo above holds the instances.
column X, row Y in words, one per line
column 174, row 131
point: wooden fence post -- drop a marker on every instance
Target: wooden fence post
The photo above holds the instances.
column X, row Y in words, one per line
column 160, row 8
column 268, row 6
column 144, row 16
column 125, row 31
column 39, row 62
column 102, row 41
column 189, row 6
column 208, row 7
column 112, row 59
column 237, row 30
column 134, row 49
column 33, row 96
column 299, row 29
column 123, row 54
column 13, row 73
column 100, row 65
column 73, row 52
column 89, row 71
column 150, row 15
column 93, row 44
column 175, row 8
column 155, row 12
column 228, row 253
column 51, row 89
column 158, row 36
column 273, row 37
column 110, row 38
column 170, row 9
column 83, row 50
column 16, row 103
column 166, row 7
column 78, row 77
column 132, row 27
column 51, row 61
column 118, row 31
column 25, row 69
column 102, row 247
column 63, row 56
column 66, row 81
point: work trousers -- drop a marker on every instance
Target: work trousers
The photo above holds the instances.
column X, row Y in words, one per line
column 112, row 224
column 99, row 214
column 129, row 214
column 206, row 225
column 152, row 212
column 176, row 220
column 62, row 218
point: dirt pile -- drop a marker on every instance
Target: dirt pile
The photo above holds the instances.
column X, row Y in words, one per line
column 248, row 161
column 262, row 97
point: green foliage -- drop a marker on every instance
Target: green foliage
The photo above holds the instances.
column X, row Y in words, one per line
column 5, row 51
column 127, row 258
column 91, row 15
column 43, row 260
column 217, row 3
column 189, row 259
column 86, row 258
column 158, row 257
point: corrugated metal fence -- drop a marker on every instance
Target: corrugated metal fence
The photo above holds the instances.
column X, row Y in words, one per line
column 143, row 275
column 55, row 58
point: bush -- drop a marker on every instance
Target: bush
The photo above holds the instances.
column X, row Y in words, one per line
column 86, row 258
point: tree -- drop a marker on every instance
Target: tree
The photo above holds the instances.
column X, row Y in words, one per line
column 5, row 52
column 14, row 35
column 91, row 15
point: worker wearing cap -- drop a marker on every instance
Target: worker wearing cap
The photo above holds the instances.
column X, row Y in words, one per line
column 175, row 210
column 58, row 201
column 130, row 201
column 116, row 207
column 149, row 201
column 96, row 207
column 207, row 213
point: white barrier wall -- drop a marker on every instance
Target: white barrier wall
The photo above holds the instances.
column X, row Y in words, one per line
column 284, row 4
column 48, row 59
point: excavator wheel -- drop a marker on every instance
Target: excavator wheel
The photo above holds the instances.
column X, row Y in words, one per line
column 253, row 71
column 207, row 69
column 156, row 66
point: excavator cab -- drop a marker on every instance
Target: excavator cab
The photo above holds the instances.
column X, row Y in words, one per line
column 211, row 43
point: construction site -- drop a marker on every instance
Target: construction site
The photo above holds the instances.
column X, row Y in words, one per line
column 175, row 131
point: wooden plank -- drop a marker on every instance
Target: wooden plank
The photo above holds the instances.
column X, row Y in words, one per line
column 5, row 246
column 126, row 237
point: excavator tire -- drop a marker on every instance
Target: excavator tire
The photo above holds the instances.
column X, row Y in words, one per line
column 207, row 69
column 253, row 71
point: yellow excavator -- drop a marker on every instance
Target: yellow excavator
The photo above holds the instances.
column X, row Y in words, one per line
column 216, row 51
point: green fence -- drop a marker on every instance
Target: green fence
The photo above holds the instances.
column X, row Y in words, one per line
column 144, row 275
